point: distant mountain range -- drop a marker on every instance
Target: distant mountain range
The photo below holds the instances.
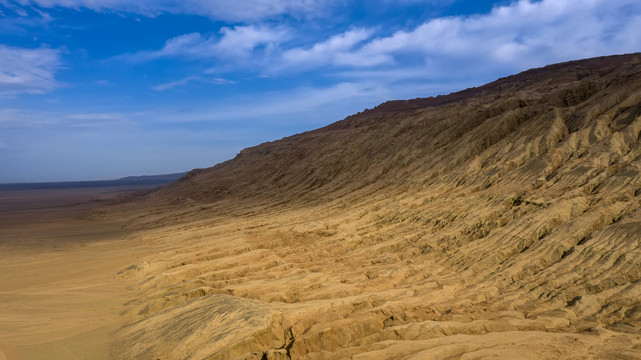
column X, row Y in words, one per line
column 125, row 181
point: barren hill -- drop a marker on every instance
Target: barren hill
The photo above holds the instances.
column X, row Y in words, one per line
column 497, row 222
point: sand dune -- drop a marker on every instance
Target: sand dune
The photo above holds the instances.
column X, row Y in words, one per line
column 501, row 222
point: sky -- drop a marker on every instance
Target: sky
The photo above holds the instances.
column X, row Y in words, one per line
column 102, row 89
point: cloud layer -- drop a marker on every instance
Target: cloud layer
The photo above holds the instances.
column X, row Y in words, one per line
column 27, row 70
column 523, row 34
column 246, row 10
column 231, row 43
column 509, row 38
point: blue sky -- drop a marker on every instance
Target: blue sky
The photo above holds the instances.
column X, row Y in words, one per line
column 99, row 89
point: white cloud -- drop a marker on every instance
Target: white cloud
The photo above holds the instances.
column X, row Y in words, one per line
column 32, row 119
column 96, row 117
column 518, row 36
column 10, row 117
column 245, row 10
column 13, row 8
column 301, row 101
column 241, row 40
column 510, row 38
column 188, row 79
column 524, row 32
column 173, row 84
column 27, row 70
column 236, row 42
column 337, row 50
column 193, row 45
column 478, row 48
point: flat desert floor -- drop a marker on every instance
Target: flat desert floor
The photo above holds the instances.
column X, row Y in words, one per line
column 58, row 293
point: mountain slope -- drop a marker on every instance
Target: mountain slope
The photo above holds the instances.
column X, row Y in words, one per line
column 498, row 221
column 418, row 139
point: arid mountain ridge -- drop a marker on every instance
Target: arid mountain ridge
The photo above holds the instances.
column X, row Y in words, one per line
column 364, row 147
column 500, row 221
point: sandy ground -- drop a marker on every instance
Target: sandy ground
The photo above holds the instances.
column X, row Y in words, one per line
column 58, row 294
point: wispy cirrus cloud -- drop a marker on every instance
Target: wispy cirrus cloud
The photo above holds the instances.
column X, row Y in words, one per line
column 28, row 70
column 513, row 37
column 16, row 20
column 189, row 79
column 302, row 101
column 232, row 42
column 246, row 10
column 337, row 50
column 29, row 119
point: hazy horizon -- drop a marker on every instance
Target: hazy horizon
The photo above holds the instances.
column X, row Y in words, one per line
column 102, row 90
column 96, row 180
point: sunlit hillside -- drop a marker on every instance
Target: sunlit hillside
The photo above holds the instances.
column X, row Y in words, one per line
column 502, row 221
